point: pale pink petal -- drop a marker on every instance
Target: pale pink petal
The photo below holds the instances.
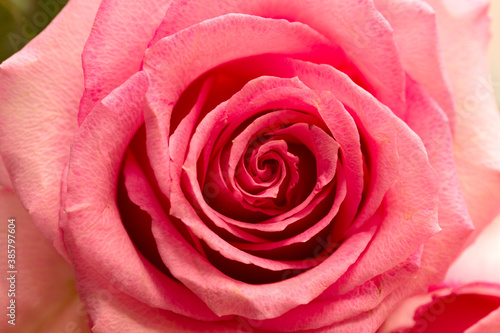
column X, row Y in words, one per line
column 40, row 88
column 431, row 124
column 116, row 45
column 45, row 296
column 481, row 260
column 464, row 31
column 416, row 35
column 402, row 316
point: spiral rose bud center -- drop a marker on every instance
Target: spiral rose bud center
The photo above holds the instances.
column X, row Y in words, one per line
column 270, row 165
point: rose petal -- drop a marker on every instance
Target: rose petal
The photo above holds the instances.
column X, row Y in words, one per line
column 143, row 194
column 301, row 220
column 480, row 261
column 431, row 124
column 402, row 316
column 372, row 319
column 114, row 311
column 301, row 242
column 267, row 169
column 321, row 82
column 112, row 54
column 231, row 160
column 423, row 212
column 433, row 127
column 355, row 26
column 206, row 130
column 44, row 293
column 464, row 29
column 40, row 87
column 252, row 301
column 92, row 225
column 330, row 313
column 365, row 109
column 419, row 49
column 255, row 296
column 302, row 132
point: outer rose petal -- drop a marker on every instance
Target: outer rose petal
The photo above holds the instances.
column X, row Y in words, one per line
column 112, row 54
column 46, row 300
column 356, row 26
column 464, row 32
column 93, row 228
column 114, row 311
column 481, row 260
column 40, row 87
column 418, row 45
column 430, row 123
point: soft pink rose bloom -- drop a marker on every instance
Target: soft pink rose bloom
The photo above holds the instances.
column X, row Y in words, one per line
column 244, row 165
column 467, row 301
column 44, row 288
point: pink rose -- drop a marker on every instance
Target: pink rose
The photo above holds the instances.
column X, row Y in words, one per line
column 232, row 166
column 468, row 300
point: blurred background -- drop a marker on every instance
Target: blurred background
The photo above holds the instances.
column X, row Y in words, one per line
column 21, row 20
